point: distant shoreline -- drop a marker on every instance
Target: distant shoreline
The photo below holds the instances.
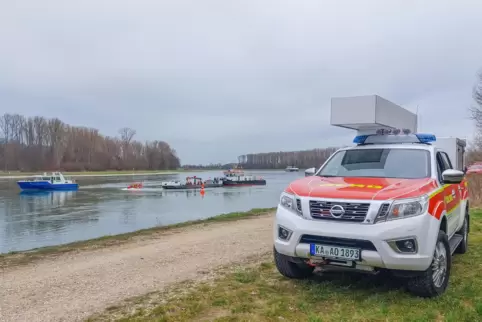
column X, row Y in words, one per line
column 110, row 173
column 22, row 175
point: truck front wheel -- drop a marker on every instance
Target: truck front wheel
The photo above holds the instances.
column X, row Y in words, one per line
column 434, row 281
column 289, row 269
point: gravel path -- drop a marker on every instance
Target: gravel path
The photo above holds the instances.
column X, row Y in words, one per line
column 72, row 287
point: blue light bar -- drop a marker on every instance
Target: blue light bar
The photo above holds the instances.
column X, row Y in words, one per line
column 426, row 138
column 394, row 137
column 360, row 139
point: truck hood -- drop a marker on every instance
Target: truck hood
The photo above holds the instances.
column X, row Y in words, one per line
column 360, row 188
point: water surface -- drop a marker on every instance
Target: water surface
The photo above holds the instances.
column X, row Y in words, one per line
column 100, row 207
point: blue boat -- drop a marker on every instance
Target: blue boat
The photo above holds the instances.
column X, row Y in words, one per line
column 52, row 181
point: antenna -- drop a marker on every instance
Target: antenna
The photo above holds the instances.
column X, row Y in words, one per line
column 418, row 123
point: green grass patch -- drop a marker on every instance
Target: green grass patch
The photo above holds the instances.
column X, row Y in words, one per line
column 260, row 293
column 25, row 257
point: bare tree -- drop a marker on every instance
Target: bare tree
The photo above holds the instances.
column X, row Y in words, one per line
column 476, row 110
column 6, row 126
column 37, row 143
column 127, row 134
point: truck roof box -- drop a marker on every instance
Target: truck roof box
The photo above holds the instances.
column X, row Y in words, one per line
column 366, row 114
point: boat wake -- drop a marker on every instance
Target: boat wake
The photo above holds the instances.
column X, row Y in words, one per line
column 142, row 189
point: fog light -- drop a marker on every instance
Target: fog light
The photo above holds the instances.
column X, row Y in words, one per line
column 406, row 245
column 284, row 233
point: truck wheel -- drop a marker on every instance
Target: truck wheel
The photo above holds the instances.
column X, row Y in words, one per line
column 435, row 279
column 464, row 231
column 289, row 269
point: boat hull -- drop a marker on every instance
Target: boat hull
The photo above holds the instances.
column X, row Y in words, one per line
column 184, row 187
column 44, row 185
column 235, row 183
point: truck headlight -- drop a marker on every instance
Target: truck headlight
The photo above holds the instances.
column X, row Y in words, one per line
column 288, row 201
column 406, row 208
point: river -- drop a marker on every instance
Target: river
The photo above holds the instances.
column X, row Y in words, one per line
column 100, row 207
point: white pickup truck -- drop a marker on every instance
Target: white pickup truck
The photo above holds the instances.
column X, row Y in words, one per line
column 394, row 202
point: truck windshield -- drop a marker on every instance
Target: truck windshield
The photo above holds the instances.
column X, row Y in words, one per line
column 379, row 163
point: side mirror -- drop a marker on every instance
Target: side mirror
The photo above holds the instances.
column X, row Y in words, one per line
column 310, row 172
column 452, row 176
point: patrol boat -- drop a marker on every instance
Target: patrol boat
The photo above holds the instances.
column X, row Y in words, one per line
column 52, row 181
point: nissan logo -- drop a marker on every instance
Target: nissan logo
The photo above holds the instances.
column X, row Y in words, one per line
column 337, row 211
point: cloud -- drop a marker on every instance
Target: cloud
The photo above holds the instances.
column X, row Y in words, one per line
column 217, row 79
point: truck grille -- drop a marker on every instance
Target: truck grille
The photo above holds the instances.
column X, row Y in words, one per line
column 335, row 241
column 355, row 212
column 298, row 205
column 383, row 210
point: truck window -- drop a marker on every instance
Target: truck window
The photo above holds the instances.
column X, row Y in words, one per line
column 441, row 166
column 446, row 160
column 379, row 163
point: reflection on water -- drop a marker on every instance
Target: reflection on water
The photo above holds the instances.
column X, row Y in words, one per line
column 35, row 200
column 100, row 207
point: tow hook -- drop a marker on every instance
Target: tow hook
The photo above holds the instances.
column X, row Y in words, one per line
column 316, row 262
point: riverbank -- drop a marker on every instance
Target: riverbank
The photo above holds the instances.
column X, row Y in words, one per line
column 23, row 175
column 257, row 292
column 222, row 271
column 30, row 256
column 74, row 282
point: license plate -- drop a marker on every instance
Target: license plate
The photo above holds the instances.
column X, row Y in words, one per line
column 335, row 252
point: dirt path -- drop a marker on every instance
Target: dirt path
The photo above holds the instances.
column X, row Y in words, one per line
column 71, row 287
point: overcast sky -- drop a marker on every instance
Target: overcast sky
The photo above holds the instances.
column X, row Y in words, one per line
column 217, row 79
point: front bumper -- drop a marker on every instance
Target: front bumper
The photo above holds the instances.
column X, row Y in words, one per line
column 372, row 239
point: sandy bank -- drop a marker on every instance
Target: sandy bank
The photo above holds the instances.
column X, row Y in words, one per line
column 73, row 285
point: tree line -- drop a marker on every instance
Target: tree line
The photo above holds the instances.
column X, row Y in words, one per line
column 37, row 143
column 211, row 166
column 280, row 160
column 475, row 151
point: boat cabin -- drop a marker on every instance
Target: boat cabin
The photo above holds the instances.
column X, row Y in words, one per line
column 196, row 181
column 234, row 173
column 54, row 177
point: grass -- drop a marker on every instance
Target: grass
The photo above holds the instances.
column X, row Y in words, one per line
column 260, row 293
column 25, row 257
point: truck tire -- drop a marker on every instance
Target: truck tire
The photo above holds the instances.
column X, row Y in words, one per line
column 464, row 231
column 434, row 281
column 289, row 269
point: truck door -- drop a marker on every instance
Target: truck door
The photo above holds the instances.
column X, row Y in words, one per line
column 452, row 195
